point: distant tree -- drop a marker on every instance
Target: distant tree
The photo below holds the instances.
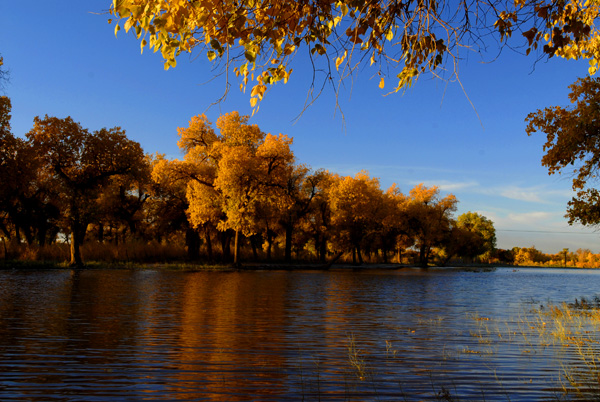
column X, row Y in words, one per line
column 318, row 221
column 429, row 219
column 573, row 146
column 461, row 242
column 357, row 211
column 529, row 256
column 259, row 40
column 507, row 256
column 82, row 162
column 482, row 227
column 394, row 231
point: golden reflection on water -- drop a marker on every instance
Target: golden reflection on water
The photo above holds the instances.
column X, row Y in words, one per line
column 263, row 336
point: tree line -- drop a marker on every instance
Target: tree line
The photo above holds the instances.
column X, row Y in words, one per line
column 235, row 188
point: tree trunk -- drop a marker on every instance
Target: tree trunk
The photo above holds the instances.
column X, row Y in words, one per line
column 192, row 240
column 76, row 260
column 236, row 248
column 288, row 242
column 323, row 249
column 423, row 256
column 208, row 243
column 253, row 244
column 269, row 243
column 360, row 259
column 226, row 245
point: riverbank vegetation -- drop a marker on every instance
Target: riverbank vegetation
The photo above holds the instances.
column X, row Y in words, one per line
column 237, row 194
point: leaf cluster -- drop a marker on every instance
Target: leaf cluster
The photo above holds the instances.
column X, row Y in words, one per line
column 573, row 145
column 257, row 40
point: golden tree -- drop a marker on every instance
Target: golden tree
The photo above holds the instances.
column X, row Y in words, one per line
column 249, row 176
column 257, row 40
column 233, row 172
column 394, row 233
column 429, row 218
column 357, row 211
column 169, row 204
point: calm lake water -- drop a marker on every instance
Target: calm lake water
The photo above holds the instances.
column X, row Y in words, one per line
column 390, row 335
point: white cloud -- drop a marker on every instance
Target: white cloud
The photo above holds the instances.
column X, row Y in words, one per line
column 532, row 218
column 446, row 185
column 522, row 194
column 534, row 194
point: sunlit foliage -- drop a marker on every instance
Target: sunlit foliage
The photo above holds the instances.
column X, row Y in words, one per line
column 573, row 146
column 429, row 219
column 258, row 40
column 234, row 183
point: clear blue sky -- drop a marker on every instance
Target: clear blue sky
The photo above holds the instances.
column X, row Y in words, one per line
column 64, row 60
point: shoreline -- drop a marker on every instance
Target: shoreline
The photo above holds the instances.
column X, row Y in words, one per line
column 257, row 266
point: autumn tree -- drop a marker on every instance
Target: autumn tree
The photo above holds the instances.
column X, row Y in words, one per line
column 483, row 230
column 299, row 189
column 394, row 232
column 8, row 164
column 429, row 218
column 401, row 40
column 249, row 176
column 234, row 171
column 200, row 142
column 357, row 211
column 318, row 221
column 82, row 162
column 168, row 205
column 121, row 203
column 573, row 146
column 27, row 195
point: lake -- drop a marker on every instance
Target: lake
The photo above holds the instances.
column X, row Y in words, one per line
column 362, row 335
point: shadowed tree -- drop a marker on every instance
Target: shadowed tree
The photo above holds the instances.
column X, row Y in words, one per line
column 82, row 163
column 170, row 202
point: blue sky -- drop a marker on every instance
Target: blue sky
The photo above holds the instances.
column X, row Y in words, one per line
column 64, row 60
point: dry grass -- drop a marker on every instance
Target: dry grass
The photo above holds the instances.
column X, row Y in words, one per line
column 98, row 252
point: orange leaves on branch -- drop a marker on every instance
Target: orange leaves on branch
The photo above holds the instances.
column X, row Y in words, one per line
column 572, row 143
column 411, row 38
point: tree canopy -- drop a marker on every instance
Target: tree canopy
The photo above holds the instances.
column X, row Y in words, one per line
column 82, row 163
column 257, row 40
column 573, row 146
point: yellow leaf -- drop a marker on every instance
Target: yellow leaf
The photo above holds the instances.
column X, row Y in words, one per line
column 381, row 83
column 340, row 60
column 389, row 35
column 253, row 101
